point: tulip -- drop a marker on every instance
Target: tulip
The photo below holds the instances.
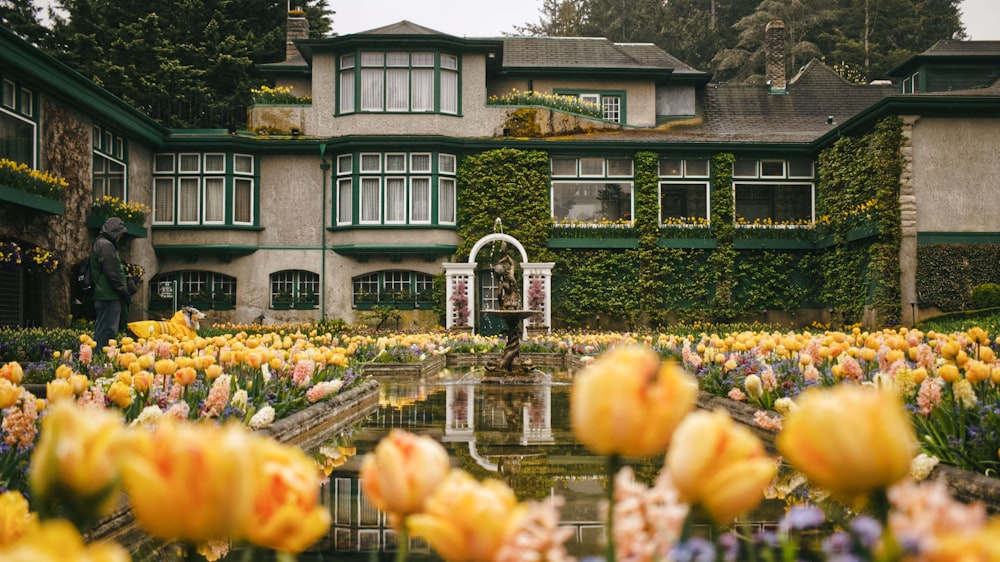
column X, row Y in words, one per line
column 57, row 541
column 141, row 381
column 287, row 514
column 58, row 389
column 850, row 440
column 467, row 521
column 16, row 520
column 185, row 376
column 13, row 372
column 719, row 464
column 9, row 393
column 967, row 545
column 402, row 472
column 120, row 394
column 75, row 463
column 627, row 403
column 190, row 482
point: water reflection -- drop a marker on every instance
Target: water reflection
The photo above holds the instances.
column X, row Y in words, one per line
column 519, row 434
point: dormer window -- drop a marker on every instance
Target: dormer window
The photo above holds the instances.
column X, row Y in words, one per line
column 398, row 82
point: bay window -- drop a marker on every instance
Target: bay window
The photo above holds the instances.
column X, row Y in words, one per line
column 204, row 189
column 395, row 188
column 398, row 82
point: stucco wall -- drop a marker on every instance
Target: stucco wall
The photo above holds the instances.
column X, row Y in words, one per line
column 475, row 119
column 956, row 174
column 640, row 97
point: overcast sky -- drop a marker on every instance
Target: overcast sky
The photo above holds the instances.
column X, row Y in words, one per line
column 491, row 18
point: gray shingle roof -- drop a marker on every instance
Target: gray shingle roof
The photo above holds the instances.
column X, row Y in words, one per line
column 953, row 48
column 586, row 52
column 402, row 28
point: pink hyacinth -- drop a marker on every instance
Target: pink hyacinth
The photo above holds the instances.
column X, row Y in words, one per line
column 86, row 354
column 538, row 536
column 852, row 369
column 179, row 410
column 648, row 521
column 923, row 512
column 323, row 389
column 303, row 372
column 218, row 397
column 737, row 394
column 768, row 378
column 163, row 350
column 766, row 421
column 811, row 373
column 925, row 356
column 929, row 396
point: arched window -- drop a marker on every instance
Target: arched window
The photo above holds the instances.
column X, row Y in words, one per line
column 294, row 288
column 398, row 288
column 204, row 290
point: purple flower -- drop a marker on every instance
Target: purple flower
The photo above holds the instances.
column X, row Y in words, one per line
column 802, row 517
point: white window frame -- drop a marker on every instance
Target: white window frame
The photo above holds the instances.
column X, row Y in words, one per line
column 210, row 156
column 708, row 197
column 194, row 184
column 404, row 203
column 413, row 200
column 363, row 201
column 812, row 199
column 452, row 208
column 169, row 184
column 252, row 185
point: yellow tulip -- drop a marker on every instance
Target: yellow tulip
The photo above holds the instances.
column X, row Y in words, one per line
column 403, row 471
column 719, row 464
column 16, row 519
column 142, row 380
column 63, row 372
column 967, row 545
column 9, row 393
column 58, row 389
column 190, row 482
column 948, row 372
column 76, row 460
column 165, row 367
column 13, row 372
column 850, row 440
column 185, row 376
column 57, row 540
column 213, row 372
column 80, row 383
column 466, row 520
column 287, row 514
column 627, row 403
column 119, row 393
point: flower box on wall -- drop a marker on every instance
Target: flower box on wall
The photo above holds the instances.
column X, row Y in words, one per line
column 305, row 306
column 773, row 244
column 32, row 201
column 700, row 243
column 281, row 306
column 137, row 230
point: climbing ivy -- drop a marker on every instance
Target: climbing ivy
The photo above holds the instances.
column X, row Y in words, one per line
column 948, row 273
column 510, row 184
column 859, row 177
column 723, row 259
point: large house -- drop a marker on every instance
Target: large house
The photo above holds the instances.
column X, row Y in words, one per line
column 327, row 208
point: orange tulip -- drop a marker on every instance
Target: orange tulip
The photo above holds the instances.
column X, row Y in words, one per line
column 628, row 403
column 467, row 521
column 287, row 514
column 190, row 482
column 57, row 540
column 12, row 371
column 16, row 520
column 185, row 376
column 9, row 393
column 403, row 471
column 719, row 464
column 850, row 440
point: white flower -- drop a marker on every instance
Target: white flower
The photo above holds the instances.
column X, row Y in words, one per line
column 263, row 418
column 922, row 465
column 239, row 399
column 149, row 417
column 785, row 405
column 266, row 370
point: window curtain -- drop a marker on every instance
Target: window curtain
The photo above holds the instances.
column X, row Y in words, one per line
column 163, row 200
column 420, row 196
column 398, row 85
column 395, row 200
column 423, row 89
column 370, row 203
column 446, row 202
column 188, row 199
column 372, row 89
column 215, row 200
column 449, row 91
column 344, row 202
column 243, row 201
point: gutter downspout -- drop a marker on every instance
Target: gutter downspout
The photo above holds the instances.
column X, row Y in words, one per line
column 324, row 167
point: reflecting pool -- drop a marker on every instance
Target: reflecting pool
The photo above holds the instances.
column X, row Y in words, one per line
column 519, row 434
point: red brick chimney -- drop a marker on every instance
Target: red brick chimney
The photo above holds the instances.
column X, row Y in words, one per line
column 774, row 55
column 298, row 28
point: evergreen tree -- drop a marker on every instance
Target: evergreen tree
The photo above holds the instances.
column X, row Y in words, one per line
column 560, row 18
column 21, row 17
column 624, row 21
column 186, row 63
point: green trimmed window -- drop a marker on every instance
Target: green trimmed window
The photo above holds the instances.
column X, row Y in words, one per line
column 110, row 174
column 775, row 191
column 396, row 189
column 294, row 288
column 18, row 124
column 203, row 189
column 681, row 199
column 398, row 82
column 611, row 102
column 204, row 290
column 392, row 287
column 592, row 191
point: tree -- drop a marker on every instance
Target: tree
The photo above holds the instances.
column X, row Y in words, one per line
column 560, row 18
column 21, row 16
column 624, row 21
column 186, row 63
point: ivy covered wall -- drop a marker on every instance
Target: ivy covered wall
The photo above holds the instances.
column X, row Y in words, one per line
column 851, row 265
column 948, row 273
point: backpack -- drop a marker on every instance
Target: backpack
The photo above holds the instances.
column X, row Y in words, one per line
column 85, row 278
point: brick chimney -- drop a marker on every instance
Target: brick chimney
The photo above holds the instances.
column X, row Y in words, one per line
column 298, row 28
column 774, row 55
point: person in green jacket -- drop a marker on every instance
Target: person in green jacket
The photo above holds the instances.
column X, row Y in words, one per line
column 113, row 290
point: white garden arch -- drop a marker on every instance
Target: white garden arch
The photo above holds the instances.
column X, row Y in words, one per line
column 461, row 280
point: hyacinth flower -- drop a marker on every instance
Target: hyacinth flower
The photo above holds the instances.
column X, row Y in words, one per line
column 626, row 403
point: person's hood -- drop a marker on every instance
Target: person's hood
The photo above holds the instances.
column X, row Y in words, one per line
column 113, row 228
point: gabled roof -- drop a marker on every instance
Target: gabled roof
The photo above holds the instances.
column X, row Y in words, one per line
column 950, row 51
column 585, row 52
column 403, row 27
